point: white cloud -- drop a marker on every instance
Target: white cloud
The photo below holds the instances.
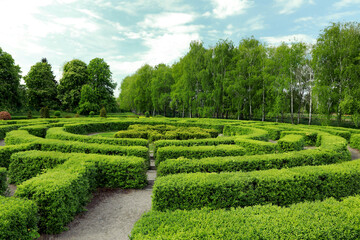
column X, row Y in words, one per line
column 167, row 20
column 226, row 8
column 256, row 23
column 304, row 19
column 290, row 6
column 275, row 41
column 229, row 30
column 133, row 7
column 345, row 3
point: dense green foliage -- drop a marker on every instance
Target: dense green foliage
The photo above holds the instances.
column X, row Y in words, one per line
column 291, row 142
column 41, row 86
column 329, row 219
column 3, row 183
column 18, row 219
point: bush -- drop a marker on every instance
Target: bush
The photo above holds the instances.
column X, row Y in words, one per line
column 62, row 192
column 7, row 151
column 310, row 157
column 29, row 115
column 5, row 115
column 3, row 183
column 57, row 114
column 329, row 219
column 18, row 219
column 91, row 113
column 37, row 130
column 197, row 152
column 103, row 112
column 291, row 142
column 253, row 147
column 147, row 114
column 44, row 112
column 281, row 187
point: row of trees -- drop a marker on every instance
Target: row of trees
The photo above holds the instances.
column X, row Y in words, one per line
column 254, row 81
column 82, row 88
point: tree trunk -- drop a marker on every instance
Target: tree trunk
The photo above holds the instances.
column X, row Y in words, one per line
column 310, row 106
column 292, row 101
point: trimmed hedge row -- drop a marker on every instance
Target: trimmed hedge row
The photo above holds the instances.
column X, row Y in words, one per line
column 6, row 151
column 281, row 187
column 355, row 141
column 256, row 147
column 325, row 220
column 7, row 128
column 196, row 142
column 246, row 132
column 22, row 136
column 18, row 219
column 3, row 184
column 309, row 137
column 36, row 130
column 291, row 142
column 310, row 157
column 62, row 192
column 197, row 152
column 59, row 133
column 85, row 128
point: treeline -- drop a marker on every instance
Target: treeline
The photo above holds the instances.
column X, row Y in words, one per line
column 255, row 81
column 82, row 88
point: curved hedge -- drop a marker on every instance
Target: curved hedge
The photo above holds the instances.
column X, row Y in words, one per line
column 3, row 183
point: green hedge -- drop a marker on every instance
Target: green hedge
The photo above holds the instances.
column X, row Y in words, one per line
column 325, row 220
column 18, row 219
column 354, row 141
column 281, row 187
column 106, row 126
column 246, row 132
column 62, row 192
column 256, row 147
column 197, row 152
column 310, row 157
column 291, row 142
column 309, row 137
column 6, row 151
column 37, row 130
column 3, row 183
column 59, row 133
column 7, row 128
column 22, row 136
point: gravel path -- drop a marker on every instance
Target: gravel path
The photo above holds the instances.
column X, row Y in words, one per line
column 355, row 153
column 2, row 142
column 111, row 213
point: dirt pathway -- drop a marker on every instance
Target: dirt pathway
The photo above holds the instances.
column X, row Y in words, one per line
column 2, row 142
column 111, row 214
column 355, row 153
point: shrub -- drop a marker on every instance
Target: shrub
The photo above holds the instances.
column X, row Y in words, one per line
column 91, row 113
column 5, row 115
column 147, row 114
column 281, row 187
column 3, row 183
column 57, row 114
column 37, row 130
column 7, row 151
column 76, row 115
column 44, row 112
column 18, row 219
column 197, row 152
column 291, row 142
column 103, row 112
column 29, row 114
column 329, row 219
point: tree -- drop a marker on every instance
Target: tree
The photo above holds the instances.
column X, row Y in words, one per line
column 9, row 82
column 100, row 78
column 41, row 86
column 336, row 66
column 88, row 101
column 74, row 76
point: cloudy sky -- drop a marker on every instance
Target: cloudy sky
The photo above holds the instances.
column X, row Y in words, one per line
column 128, row 34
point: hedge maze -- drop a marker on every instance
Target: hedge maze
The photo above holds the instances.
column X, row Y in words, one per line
column 217, row 179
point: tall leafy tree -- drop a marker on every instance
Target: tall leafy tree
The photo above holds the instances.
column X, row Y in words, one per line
column 100, row 79
column 41, row 86
column 74, row 76
column 88, row 100
column 9, row 82
column 336, row 65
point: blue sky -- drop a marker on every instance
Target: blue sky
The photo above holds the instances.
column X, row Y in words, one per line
column 128, row 34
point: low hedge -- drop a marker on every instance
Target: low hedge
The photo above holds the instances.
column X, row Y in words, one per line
column 291, row 142
column 3, row 184
column 311, row 157
column 59, row 133
column 196, row 142
column 22, row 136
column 333, row 143
column 6, row 151
column 37, row 130
column 197, row 152
column 18, row 219
column 281, row 187
column 309, row 137
column 256, row 147
column 62, row 192
column 246, row 132
column 329, row 219
column 104, row 126
column 7, row 128
column 354, row 141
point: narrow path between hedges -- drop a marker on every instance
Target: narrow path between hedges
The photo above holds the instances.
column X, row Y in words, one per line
column 2, row 142
column 111, row 213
